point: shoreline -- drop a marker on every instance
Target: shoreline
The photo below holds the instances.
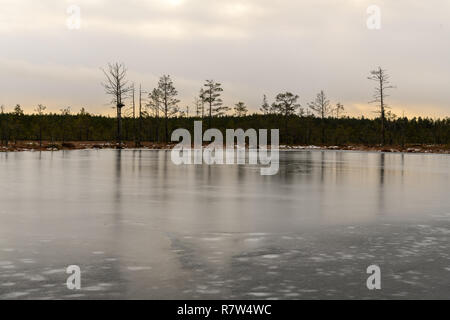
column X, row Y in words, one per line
column 22, row 146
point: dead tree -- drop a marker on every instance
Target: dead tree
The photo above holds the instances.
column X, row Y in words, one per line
column 321, row 105
column 117, row 86
column 381, row 77
column 139, row 133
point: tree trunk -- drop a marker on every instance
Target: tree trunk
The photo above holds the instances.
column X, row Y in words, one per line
column 134, row 121
column 323, row 132
column 140, row 118
column 166, row 127
column 40, row 136
column 119, row 125
column 383, row 138
column 210, row 115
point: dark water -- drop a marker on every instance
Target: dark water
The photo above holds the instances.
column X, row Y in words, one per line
column 140, row 227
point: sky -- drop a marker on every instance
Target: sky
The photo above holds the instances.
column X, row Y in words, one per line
column 252, row 47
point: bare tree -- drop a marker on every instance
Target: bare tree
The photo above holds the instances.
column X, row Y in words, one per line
column 168, row 101
column 383, row 84
column 321, row 105
column 117, row 86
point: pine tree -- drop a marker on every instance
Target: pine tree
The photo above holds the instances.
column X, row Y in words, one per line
column 168, row 101
column 211, row 96
column 286, row 105
column 240, row 109
column 338, row 109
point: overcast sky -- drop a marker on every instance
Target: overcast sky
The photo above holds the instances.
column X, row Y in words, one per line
column 252, row 47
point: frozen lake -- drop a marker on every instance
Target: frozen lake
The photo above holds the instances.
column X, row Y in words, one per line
column 140, row 227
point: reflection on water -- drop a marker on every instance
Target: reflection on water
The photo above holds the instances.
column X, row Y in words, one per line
column 141, row 227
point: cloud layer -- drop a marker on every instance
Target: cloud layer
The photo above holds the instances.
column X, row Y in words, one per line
column 253, row 47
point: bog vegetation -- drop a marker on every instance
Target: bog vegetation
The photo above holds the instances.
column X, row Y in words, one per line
column 151, row 117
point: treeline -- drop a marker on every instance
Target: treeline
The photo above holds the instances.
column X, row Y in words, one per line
column 294, row 129
column 151, row 116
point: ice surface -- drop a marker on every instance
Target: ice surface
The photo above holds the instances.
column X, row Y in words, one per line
column 140, row 227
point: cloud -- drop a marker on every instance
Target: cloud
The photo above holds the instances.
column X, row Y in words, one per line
column 254, row 47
